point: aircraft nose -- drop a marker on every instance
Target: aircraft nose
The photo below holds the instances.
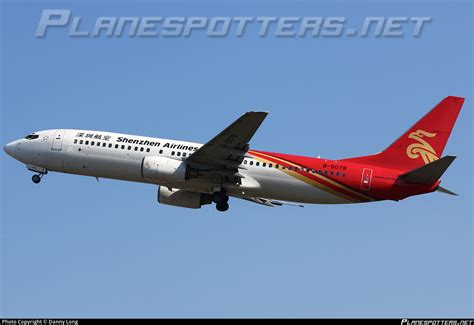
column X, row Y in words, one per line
column 10, row 148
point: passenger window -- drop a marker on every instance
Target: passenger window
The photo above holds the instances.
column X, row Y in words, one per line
column 178, row 153
column 343, row 175
column 81, row 141
column 277, row 166
column 337, row 173
column 92, row 143
column 147, row 149
column 141, row 149
column 116, row 146
column 257, row 163
column 87, row 142
column 172, row 153
column 136, row 148
column 332, row 173
column 289, row 167
column 264, row 164
column 184, row 154
column 296, row 169
column 161, row 151
column 123, row 146
column 110, row 145
column 129, row 148
column 283, row 167
column 75, row 141
column 251, row 163
column 245, row 162
column 270, row 165
column 98, row 144
column 325, row 172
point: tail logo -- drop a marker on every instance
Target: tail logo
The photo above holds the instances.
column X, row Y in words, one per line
column 421, row 148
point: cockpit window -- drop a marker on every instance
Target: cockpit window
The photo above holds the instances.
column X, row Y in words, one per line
column 31, row 136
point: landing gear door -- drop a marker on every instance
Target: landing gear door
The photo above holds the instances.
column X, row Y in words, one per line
column 58, row 141
column 366, row 179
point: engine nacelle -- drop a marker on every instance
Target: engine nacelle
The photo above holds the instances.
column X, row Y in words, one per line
column 163, row 169
column 182, row 198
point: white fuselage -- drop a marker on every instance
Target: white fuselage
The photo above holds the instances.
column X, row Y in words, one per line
column 120, row 156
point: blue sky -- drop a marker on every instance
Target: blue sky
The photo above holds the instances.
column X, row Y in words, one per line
column 78, row 248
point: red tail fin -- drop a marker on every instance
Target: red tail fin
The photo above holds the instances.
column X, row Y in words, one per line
column 424, row 142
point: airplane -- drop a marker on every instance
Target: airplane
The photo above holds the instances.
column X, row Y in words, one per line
column 191, row 175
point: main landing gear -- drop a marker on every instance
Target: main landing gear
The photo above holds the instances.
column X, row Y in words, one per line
column 220, row 199
column 37, row 178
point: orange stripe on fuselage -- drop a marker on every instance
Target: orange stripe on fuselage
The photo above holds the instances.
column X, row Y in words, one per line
column 316, row 180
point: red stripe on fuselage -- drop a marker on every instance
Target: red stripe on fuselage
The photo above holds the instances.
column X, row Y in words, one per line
column 328, row 184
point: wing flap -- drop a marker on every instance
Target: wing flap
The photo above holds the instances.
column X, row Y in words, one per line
column 270, row 202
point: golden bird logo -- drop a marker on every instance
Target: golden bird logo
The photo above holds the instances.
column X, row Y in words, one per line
column 421, row 148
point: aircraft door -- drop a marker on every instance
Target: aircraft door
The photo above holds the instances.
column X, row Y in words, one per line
column 366, row 179
column 58, row 141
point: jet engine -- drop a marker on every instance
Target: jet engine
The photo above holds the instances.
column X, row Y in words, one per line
column 182, row 198
column 163, row 169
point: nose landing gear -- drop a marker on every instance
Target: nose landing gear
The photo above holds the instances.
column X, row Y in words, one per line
column 37, row 178
column 40, row 170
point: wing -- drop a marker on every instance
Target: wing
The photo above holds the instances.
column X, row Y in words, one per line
column 270, row 202
column 225, row 152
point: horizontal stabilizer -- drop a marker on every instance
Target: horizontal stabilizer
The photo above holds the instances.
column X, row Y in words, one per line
column 429, row 173
column 445, row 191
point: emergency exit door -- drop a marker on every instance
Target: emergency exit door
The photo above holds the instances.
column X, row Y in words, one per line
column 58, row 141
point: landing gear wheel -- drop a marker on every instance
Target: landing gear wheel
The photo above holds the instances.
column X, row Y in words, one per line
column 36, row 179
column 222, row 206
